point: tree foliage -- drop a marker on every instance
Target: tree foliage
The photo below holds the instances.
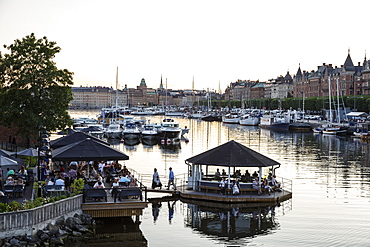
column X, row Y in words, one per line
column 33, row 91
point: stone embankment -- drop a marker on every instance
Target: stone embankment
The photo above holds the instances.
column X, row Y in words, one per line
column 59, row 233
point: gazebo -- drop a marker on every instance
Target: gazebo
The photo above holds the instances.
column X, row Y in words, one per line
column 231, row 154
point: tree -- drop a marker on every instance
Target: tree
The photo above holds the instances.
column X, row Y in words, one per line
column 33, row 91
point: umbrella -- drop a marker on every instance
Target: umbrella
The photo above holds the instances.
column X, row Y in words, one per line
column 6, row 153
column 87, row 150
column 232, row 154
column 73, row 138
column 4, row 161
column 28, row 152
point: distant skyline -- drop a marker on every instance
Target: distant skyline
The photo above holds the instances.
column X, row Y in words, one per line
column 212, row 41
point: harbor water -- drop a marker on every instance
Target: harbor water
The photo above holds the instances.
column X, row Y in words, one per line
column 331, row 190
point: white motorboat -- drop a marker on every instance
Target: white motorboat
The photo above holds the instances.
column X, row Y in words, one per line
column 249, row 120
column 170, row 132
column 131, row 131
column 149, row 131
column 114, row 131
column 231, row 118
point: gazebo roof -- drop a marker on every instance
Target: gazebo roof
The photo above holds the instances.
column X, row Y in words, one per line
column 232, row 154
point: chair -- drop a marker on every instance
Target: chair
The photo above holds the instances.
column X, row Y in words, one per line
column 18, row 190
column 9, row 190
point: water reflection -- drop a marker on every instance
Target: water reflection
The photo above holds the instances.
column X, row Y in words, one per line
column 121, row 231
column 226, row 222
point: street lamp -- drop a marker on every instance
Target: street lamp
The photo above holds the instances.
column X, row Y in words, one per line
column 43, row 150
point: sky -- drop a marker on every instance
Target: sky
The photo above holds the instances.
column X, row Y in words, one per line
column 214, row 42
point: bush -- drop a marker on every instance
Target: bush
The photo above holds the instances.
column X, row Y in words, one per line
column 77, row 186
column 4, row 207
column 15, row 206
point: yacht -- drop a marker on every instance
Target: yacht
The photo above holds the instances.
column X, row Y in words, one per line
column 170, row 132
column 249, row 119
column 232, row 118
column 131, row 131
column 114, row 131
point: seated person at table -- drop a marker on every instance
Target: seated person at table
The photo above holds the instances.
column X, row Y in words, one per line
column 47, row 179
column 115, row 183
column 23, row 171
column 256, row 186
column 223, row 172
column 223, row 185
column 51, row 181
column 9, row 181
column 266, row 186
column 236, row 187
column 125, row 180
column 98, row 185
column 59, row 181
column 133, row 182
column 19, row 181
column 255, row 174
column 217, row 174
column 9, row 172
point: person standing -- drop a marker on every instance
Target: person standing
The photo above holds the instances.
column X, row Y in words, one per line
column 171, row 179
column 156, row 181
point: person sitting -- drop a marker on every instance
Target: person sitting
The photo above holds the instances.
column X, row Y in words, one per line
column 255, row 174
column 19, row 181
column 23, row 171
column 9, row 181
column 217, row 174
column 133, row 182
column 247, row 176
column 99, row 185
column 223, row 172
column 256, row 186
column 266, row 186
column 222, row 186
column 51, row 181
column 60, row 181
column 236, row 187
column 274, row 183
column 10, row 172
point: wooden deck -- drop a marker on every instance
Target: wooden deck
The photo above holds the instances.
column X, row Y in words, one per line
column 245, row 198
column 101, row 209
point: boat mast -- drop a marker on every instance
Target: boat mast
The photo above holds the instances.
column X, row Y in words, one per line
column 338, row 114
column 330, row 113
column 117, row 88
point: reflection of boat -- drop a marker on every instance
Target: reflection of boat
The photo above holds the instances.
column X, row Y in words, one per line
column 231, row 222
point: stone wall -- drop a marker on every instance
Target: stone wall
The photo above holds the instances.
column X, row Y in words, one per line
column 29, row 221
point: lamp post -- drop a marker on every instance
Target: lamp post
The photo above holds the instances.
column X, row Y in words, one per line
column 43, row 150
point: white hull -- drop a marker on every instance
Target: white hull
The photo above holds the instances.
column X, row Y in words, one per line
column 249, row 121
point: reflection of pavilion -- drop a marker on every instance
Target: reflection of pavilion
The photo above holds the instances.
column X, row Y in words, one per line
column 230, row 222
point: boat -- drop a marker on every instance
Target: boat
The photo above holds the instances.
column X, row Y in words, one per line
column 114, row 131
column 278, row 122
column 170, row 132
column 231, row 118
column 131, row 131
column 149, row 131
column 249, row 120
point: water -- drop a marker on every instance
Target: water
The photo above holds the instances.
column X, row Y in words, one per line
column 331, row 191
